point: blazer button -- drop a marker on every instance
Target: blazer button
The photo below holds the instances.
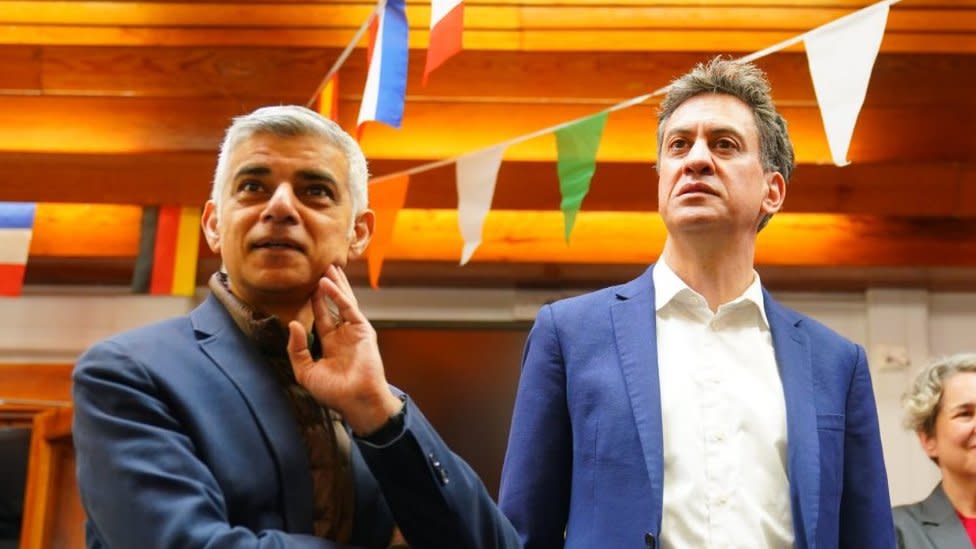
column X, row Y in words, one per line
column 439, row 469
column 649, row 540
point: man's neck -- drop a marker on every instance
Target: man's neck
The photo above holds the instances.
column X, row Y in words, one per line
column 286, row 307
column 719, row 270
column 287, row 312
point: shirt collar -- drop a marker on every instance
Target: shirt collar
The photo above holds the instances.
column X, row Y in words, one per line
column 668, row 286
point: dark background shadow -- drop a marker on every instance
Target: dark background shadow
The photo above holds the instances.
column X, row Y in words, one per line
column 464, row 380
column 14, row 447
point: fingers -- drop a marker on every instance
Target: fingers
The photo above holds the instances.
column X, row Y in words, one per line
column 298, row 353
column 344, row 284
column 325, row 312
column 336, row 286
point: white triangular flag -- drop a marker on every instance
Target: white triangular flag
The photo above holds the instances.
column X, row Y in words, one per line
column 476, row 176
column 841, row 56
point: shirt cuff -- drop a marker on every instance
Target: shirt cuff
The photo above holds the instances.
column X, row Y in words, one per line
column 389, row 431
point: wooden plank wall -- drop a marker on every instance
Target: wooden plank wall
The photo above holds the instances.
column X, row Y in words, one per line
column 125, row 103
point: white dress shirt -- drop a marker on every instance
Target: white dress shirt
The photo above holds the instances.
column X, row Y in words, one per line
column 723, row 419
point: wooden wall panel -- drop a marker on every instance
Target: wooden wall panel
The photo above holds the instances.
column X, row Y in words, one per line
column 812, row 240
column 815, row 240
column 430, row 131
column 273, row 74
column 85, row 229
column 145, row 178
column 738, row 41
column 21, row 69
column 125, row 102
column 116, row 273
column 113, row 125
column 901, row 189
column 53, row 515
column 29, row 389
column 502, row 77
column 479, row 15
column 719, row 4
column 664, row 27
column 50, row 382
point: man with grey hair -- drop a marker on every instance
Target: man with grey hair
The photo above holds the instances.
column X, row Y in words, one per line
column 687, row 408
column 263, row 418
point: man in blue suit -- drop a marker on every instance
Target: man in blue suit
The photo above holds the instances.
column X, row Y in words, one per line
column 686, row 408
column 263, row 418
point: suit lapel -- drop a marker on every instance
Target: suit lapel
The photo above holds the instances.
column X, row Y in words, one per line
column 795, row 369
column 940, row 522
column 634, row 327
column 236, row 357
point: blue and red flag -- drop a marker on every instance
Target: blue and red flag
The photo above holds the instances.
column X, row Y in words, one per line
column 386, row 81
column 16, row 228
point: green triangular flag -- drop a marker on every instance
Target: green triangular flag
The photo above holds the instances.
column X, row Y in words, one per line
column 576, row 147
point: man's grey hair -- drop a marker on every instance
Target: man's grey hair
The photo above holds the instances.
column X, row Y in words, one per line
column 292, row 121
column 923, row 401
column 749, row 84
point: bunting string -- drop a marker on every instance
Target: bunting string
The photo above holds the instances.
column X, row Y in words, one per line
column 632, row 101
column 341, row 60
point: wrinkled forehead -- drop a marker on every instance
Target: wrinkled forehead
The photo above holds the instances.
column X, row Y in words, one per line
column 713, row 112
column 289, row 154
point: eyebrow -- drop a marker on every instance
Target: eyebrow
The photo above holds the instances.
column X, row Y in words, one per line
column 259, row 170
column 722, row 130
column 252, row 169
column 317, row 175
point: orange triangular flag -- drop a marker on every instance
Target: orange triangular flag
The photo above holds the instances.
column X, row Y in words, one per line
column 386, row 198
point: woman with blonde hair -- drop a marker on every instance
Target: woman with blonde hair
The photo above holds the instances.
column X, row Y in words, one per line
column 941, row 408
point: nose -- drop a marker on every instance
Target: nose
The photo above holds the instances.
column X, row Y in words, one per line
column 698, row 161
column 281, row 206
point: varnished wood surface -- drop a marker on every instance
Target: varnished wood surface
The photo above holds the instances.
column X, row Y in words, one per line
column 620, row 26
column 125, row 102
column 39, row 382
column 813, row 240
column 116, row 274
column 921, row 189
column 53, row 515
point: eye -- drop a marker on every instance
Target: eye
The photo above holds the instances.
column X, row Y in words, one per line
column 678, row 144
column 250, row 186
column 726, row 144
column 318, row 191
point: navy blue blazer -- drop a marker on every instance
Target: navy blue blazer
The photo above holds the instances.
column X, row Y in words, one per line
column 184, row 438
column 585, row 461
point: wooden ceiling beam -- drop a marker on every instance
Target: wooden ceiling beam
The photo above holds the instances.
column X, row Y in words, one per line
column 814, row 240
column 431, row 129
column 502, row 77
column 45, row 272
column 480, row 16
column 621, row 26
column 110, row 102
column 743, row 41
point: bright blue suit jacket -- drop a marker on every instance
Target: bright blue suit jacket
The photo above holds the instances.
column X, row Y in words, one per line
column 185, row 439
column 585, row 453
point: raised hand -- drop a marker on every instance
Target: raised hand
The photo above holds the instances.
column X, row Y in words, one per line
column 349, row 378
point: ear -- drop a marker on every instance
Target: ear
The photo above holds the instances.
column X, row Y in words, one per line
column 208, row 221
column 775, row 193
column 928, row 444
column 362, row 232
